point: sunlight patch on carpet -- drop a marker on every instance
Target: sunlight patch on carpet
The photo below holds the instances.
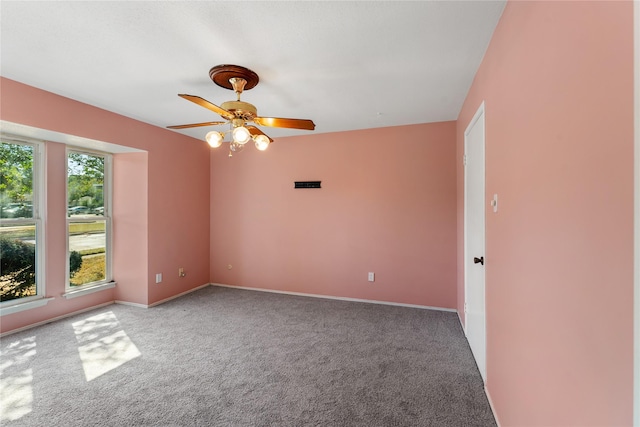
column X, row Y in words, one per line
column 16, row 392
column 103, row 345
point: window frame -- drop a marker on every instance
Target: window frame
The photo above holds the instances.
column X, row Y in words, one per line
column 107, row 216
column 38, row 201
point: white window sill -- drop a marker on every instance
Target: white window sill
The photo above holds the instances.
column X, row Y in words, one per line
column 16, row 308
column 86, row 290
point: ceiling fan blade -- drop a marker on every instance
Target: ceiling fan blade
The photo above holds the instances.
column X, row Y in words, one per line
column 195, row 125
column 255, row 131
column 206, row 104
column 285, row 123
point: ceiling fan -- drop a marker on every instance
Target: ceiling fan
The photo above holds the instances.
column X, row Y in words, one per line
column 238, row 113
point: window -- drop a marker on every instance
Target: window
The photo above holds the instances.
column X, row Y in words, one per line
column 21, row 228
column 88, row 219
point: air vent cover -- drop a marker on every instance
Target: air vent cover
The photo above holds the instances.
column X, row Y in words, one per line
column 308, row 184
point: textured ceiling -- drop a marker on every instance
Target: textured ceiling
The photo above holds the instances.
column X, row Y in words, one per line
column 346, row 65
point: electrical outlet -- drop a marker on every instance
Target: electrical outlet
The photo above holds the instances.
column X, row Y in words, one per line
column 159, row 278
column 181, row 272
column 372, row 277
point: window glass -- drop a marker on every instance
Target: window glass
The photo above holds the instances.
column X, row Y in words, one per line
column 20, row 227
column 87, row 252
column 17, row 262
column 16, row 180
column 88, row 219
column 85, row 185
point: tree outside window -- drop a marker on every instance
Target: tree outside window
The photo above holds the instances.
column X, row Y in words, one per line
column 19, row 228
column 88, row 222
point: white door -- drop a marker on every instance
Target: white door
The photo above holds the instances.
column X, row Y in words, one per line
column 474, row 239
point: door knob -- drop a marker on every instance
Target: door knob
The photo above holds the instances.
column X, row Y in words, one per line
column 477, row 260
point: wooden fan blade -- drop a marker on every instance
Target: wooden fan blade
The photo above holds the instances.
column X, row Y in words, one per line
column 206, row 104
column 195, row 125
column 255, row 131
column 285, row 123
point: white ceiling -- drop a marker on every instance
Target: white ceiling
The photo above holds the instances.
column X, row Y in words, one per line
column 346, row 65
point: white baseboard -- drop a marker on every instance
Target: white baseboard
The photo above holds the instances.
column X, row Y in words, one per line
column 462, row 324
column 301, row 294
column 178, row 295
column 135, row 304
column 53, row 319
column 94, row 307
column 495, row 414
column 131, row 304
column 486, row 392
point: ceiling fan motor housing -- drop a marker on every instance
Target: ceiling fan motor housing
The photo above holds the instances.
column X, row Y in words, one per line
column 242, row 110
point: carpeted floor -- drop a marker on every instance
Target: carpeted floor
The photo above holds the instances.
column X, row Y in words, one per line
column 230, row 357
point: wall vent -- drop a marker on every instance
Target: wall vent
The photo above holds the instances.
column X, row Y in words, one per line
column 308, row 184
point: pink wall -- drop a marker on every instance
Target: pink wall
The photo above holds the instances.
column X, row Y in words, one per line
column 557, row 81
column 130, row 231
column 387, row 205
column 178, row 216
column 170, row 192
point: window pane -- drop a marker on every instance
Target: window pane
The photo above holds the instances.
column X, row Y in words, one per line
column 87, row 252
column 16, row 180
column 17, row 262
column 85, row 186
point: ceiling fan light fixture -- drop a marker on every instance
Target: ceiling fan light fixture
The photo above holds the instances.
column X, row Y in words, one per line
column 262, row 142
column 241, row 135
column 235, row 147
column 238, row 113
column 214, row 138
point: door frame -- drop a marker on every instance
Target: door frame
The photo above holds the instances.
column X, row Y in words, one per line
column 480, row 112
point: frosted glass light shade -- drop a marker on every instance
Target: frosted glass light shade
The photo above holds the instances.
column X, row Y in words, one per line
column 262, row 142
column 241, row 135
column 236, row 147
column 214, row 138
